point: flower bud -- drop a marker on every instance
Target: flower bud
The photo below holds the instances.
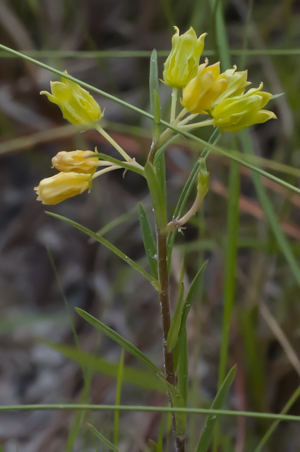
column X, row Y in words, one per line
column 204, row 89
column 76, row 104
column 55, row 189
column 236, row 84
column 242, row 111
column 182, row 63
column 75, row 161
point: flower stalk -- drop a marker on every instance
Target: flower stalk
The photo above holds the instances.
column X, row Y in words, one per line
column 113, row 143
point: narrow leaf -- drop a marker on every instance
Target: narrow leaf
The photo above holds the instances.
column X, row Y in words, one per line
column 208, row 429
column 188, row 186
column 176, row 321
column 157, row 196
column 118, row 397
column 102, row 438
column 175, row 396
column 111, row 247
column 142, row 379
column 149, row 242
column 183, row 364
column 192, row 292
column 230, row 263
column 128, row 346
column 269, row 211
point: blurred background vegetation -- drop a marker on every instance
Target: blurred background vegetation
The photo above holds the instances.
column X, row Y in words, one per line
column 46, row 265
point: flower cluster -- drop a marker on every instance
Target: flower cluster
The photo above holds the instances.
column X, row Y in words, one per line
column 77, row 168
column 74, row 178
column 222, row 96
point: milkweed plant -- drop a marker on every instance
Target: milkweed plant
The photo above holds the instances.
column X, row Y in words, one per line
column 208, row 98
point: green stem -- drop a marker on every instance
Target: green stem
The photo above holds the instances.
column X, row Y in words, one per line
column 173, row 104
column 208, row 122
column 166, row 322
column 112, row 142
column 106, row 170
column 165, row 135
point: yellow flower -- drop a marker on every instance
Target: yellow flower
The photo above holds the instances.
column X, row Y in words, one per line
column 236, row 84
column 238, row 112
column 76, row 104
column 75, row 161
column 182, row 63
column 204, row 89
column 55, row 189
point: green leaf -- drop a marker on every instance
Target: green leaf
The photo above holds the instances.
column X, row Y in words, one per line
column 131, row 375
column 154, row 98
column 102, row 438
column 183, row 364
column 149, row 242
column 188, row 186
column 191, row 293
column 175, row 396
column 176, row 321
column 208, row 429
column 233, row 211
column 128, row 346
column 269, row 211
column 111, row 247
column 118, row 397
column 157, row 195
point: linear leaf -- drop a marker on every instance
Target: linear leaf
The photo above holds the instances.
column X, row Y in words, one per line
column 208, row 429
column 176, row 398
column 118, row 396
column 270, row 213
column 192, row 292
column 190, row 183
column 230, row 263
column 183, row 364
column 102, row 438
column 149, row 242
column 157, row 196
column 131, row 375
column 176, row 321
column 111, row 247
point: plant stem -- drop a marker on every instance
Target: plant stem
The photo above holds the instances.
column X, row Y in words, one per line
column 166, row 321
column 113, row 143
column 173, row 104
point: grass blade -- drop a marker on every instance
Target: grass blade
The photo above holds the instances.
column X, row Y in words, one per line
column 230, row 263
column 208, row 429
column 111, row 247
column 118, row 397
column 149, row 242
column 269, row 211
column 102, row 438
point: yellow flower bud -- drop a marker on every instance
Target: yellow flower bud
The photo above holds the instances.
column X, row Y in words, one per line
column 182, row 63
column 75, row 161
column 236, row 84
column 238, row 112
column 55, row 189
column 204, row 89
column 76, row 104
